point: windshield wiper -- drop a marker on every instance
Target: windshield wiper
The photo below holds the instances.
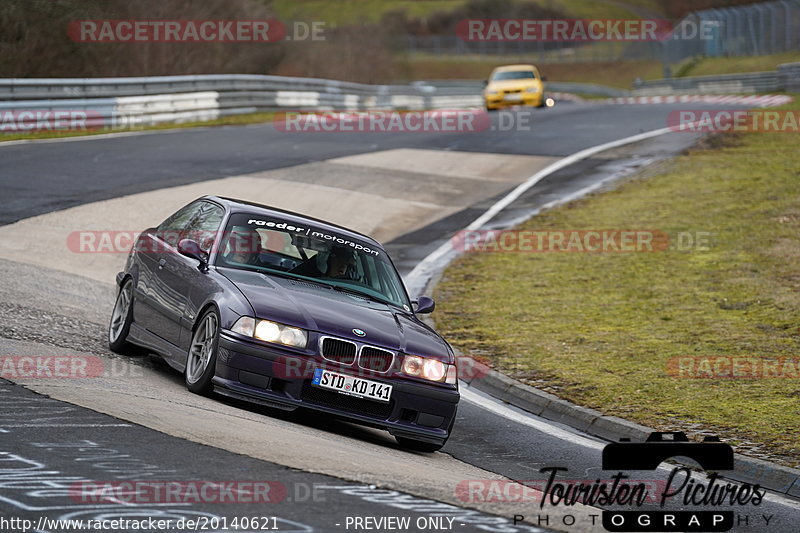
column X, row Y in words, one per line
column 293, row 277
column 362, row 294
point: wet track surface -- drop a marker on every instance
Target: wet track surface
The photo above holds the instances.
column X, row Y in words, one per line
column 49, row 176
column 44, row 177
column 63, row 462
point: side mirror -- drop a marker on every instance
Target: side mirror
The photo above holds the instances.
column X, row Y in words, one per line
column 424, row 305
column 485, row 83
column 190, row 248
column 544, row 78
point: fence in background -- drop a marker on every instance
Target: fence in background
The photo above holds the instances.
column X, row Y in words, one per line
column 786, row 78
column 750, row 30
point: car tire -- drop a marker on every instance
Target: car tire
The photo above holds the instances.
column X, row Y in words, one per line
column 202, row 356
column 121, row 318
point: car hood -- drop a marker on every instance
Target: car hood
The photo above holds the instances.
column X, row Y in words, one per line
column 315, row 307
column 505, row 85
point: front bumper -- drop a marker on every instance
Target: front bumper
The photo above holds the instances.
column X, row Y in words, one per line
column 526, row 99
column 282, row 379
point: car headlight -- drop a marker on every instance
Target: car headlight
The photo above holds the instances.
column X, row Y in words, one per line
column 492, row 92
column 533, row 89
column 267, row 330
column 430, row 369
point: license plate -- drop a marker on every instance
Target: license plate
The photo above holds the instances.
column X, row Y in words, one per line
column 351, row 385
column 514, row 97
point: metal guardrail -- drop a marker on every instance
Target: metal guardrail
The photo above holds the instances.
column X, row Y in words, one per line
column 786, row 78
column 124, row 102
column 586, row 88
column 152, row 100
column 37, row 88
column 789, row 77
column 475, row 87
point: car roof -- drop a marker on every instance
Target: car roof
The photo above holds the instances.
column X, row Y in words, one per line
column 514, row 67
column 243, row 206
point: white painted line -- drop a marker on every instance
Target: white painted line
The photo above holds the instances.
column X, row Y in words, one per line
column 419, row 276
column 66, row 425
column 26, row 507
column 500, row 409
column 574, row 195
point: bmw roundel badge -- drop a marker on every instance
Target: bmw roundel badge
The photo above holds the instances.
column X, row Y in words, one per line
column 360, row 332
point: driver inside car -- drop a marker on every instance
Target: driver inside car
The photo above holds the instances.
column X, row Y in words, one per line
column 338, row 263
column 243, row 246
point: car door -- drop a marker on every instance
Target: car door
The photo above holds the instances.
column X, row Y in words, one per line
column 153, row 298
column 177, row 275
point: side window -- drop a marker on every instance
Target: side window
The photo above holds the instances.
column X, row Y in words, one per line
column 205, row 224
column 172, row 229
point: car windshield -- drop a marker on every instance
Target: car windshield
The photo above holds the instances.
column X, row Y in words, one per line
column 274, row 246
column 514, row 75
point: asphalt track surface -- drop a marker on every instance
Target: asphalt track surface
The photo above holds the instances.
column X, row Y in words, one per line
column 46, row 177
column 43, row 177
column 57, row 459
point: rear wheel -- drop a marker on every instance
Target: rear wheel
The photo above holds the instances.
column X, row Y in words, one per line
column 202, row 357
column 121, row 318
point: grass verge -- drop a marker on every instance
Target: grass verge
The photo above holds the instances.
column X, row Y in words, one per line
column 233, row 120
column 359, row 11
column 617, row 74
column 729, row 65
column 600, row 329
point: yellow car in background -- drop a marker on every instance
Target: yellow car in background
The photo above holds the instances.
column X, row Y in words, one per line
column 514, row 85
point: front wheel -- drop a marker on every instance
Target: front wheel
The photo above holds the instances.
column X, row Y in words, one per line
column 202, row 355
column 121, row 318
